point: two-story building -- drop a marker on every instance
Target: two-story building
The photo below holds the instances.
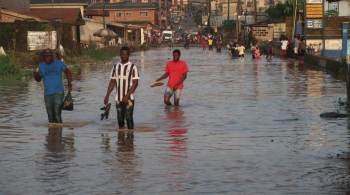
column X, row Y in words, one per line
column 125, row 12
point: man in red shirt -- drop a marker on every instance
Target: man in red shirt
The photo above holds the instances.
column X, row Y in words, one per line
column 176, row 70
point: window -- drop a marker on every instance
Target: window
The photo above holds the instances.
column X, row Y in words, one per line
column 333, row 6
column 143, row 13
column 119, row 14
column 127, row 14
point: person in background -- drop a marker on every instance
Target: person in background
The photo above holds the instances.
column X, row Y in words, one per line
column 218, row 43
column 176, row 70
column 257, row 53
column 284, row 45
column 50, row 72
column 269, row 51
column 204, row 42
column 210, row 43
column 241, row 51
column 252, row 49
column 296, row 46
column 302, row 47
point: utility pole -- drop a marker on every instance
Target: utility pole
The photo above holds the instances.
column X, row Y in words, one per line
column 228, row 10
column 322, row 29
column 238, row 9
column 255, row 12
column 104, row 13
column 209, row 12
column 294, row 17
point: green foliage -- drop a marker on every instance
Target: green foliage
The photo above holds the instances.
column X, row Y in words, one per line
column 8, row 67
column 100, row 54
column 332, row 13
column 228, row 24
column 280, row 11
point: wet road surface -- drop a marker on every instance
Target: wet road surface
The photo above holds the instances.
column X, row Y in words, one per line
column 245, row 127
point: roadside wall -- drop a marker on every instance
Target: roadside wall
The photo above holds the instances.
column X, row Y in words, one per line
column 335, row 68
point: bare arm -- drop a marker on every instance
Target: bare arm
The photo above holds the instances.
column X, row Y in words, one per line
column 131, row 91
column 164, row 76
column 111, row 86
column 68, row 74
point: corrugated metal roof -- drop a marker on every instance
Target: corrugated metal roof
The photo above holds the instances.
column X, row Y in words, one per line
column 65, row 15
column 59, row 1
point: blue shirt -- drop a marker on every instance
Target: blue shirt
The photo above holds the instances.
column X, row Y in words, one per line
column 52, row 76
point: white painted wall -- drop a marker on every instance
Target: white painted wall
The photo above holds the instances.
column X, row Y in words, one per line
column 87, row 31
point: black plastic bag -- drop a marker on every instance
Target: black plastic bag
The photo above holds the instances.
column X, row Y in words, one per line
column 68, row 102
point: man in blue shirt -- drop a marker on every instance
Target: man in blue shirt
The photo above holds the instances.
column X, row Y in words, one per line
column 50, row 71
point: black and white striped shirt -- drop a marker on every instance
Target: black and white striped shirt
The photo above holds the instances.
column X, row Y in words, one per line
column 124, row 74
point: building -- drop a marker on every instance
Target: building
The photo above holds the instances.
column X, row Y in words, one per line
column 337, row 8
column 9, row 16
column 125, row 12
column 70, row 16
column 72, row 4
column 16, row 5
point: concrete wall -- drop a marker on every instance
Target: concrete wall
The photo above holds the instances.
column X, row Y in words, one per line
column 15, row 4
column 335, row 68
column 87, row 31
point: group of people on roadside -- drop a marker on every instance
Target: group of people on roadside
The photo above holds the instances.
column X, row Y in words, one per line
column 124, row 80
column 210, row 41
column 236, row 50
column 293, row 48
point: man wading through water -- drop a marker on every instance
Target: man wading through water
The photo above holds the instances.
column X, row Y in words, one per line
column 176, row 70
column 124, row 77
column 50, row 71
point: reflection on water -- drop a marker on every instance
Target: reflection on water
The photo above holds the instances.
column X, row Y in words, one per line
column 244, row 127
column 56, row 162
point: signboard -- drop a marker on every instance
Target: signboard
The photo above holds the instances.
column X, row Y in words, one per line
column 314, row 10
column 39, row 40
column 315, row 44
column 314, row 23
column 333, row 44
column 263, row 33
column 313, row 1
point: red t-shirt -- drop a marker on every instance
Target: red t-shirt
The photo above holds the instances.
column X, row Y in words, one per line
column 176, row 71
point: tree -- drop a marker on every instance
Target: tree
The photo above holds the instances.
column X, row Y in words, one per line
column 280, row 11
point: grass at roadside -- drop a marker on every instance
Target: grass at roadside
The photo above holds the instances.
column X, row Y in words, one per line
column 8, row 67
column 100, row 54
column 19, row 65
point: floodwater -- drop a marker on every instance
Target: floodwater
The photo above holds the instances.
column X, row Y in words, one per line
column 244, row 127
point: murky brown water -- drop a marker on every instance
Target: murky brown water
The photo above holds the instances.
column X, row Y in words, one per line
column 244, row 128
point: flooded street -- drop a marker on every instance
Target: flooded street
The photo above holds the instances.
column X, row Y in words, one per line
column 244, row 127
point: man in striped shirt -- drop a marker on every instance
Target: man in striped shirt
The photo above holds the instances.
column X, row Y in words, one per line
column 124, row 77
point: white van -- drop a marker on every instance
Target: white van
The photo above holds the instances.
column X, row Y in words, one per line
column 167, row 35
